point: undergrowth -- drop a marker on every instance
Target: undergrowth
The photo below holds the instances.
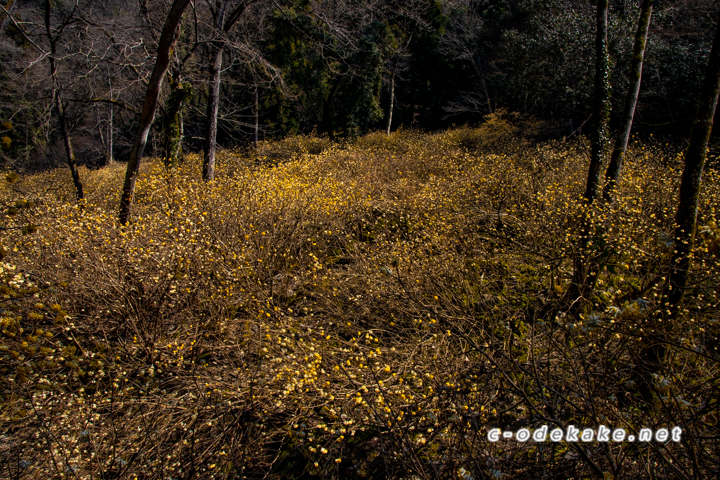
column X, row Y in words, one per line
column 360, row 311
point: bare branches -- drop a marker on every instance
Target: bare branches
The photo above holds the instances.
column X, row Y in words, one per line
column 120, row 104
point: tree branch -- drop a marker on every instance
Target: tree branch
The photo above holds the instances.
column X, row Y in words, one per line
column 105, row 100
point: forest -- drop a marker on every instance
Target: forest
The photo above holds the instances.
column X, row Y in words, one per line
column 324, row 239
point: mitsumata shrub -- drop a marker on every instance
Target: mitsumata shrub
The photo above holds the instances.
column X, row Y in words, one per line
column 368, row 310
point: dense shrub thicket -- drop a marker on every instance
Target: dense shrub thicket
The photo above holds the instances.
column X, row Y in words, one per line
column 366, row 310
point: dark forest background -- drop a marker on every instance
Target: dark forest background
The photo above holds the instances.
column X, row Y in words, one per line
column 329, row 67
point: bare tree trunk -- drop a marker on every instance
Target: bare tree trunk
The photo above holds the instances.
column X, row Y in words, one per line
column 686, row 217
column 181, row 120
column 167, row 39
column 392, row 99
column 27, row 143
column 110, row 123
column 110, row 135
column 601, row 109
column 329, row 108
column 655, row 342
column 223, row 26
column 57, row 98
column 257, row 119
column 212, row 113
column 99, row 124
column 612, row 176
column 68, row 145
column 477, row 64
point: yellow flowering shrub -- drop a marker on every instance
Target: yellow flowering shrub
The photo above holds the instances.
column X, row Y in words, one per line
column 347, row 311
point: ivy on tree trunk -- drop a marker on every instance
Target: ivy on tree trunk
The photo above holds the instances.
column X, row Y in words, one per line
column 585, row 267
column 172, row 141
column 612, row 176
column 601, row 107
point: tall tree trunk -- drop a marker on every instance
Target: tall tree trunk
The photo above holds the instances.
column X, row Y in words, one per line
column 601, row 107
column 584, row 271
column 72, row 163
column 212, row 112
column 654, row 347
column 392, row 99
column 27, row 142
column 477, row 64
column 110, row 134
column 257, row 115
column 223, row 25
column 59, row 108
column 167, row 39
column 99, row 124
column 695, row 155
column 182, row 135
column 110, row 123
column 329, row 108
column 612, row 176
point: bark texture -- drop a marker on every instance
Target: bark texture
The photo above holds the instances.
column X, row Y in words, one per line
column 655, row 343
column 167, row 39
column 612, row 176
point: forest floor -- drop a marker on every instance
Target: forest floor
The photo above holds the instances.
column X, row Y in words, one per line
column 365, row 310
